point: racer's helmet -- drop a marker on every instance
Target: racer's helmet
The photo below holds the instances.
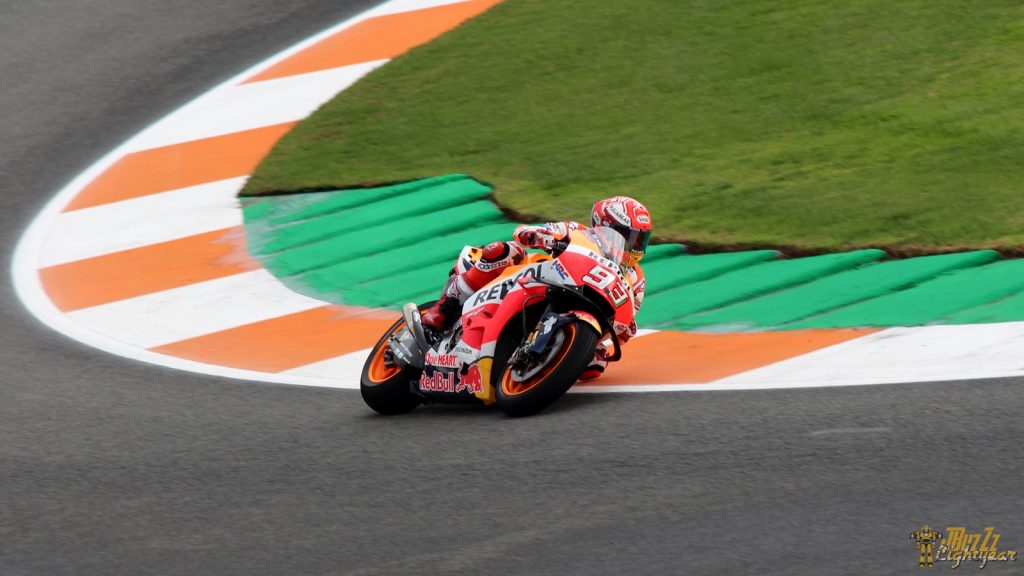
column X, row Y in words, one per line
column 629, row 218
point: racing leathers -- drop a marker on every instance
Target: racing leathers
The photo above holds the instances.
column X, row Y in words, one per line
column 478, row 266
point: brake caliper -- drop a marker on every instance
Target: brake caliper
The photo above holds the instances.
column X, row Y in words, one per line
column 548, row 327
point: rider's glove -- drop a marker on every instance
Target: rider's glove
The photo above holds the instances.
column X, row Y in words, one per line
column 535, row 237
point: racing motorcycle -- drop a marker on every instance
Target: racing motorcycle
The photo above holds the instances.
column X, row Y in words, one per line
column 522, row 340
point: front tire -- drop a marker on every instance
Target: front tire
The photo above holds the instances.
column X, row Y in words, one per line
column 386, row 389
column 530, row 396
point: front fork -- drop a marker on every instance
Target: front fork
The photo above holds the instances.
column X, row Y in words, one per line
column 538, row 340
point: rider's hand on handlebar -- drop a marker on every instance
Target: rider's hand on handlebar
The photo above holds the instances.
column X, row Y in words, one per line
column 532, row 237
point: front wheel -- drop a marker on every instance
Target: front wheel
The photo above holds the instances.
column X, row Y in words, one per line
column 527, row 387
column 384, row 385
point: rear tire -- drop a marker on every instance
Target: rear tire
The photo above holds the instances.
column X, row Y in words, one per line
column 530, row 397
column 387, row 389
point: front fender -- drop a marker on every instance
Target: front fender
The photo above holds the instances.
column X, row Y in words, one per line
column 589, row 319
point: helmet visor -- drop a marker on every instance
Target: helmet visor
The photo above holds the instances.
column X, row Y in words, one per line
column 636, row 240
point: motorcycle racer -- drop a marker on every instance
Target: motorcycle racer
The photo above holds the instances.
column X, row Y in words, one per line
column 476, row 267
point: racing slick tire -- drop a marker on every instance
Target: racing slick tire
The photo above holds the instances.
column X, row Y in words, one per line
column 561, row 370
column 386, row 389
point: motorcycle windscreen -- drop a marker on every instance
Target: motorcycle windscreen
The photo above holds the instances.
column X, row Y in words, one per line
column 611, row 242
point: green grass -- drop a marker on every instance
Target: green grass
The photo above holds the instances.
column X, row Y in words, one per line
column 818, row 124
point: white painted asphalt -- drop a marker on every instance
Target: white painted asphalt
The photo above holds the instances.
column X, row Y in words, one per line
column 920, row 354
column 194, row 310
column 142, row 221
column 398, row 6
column 342, row 371
column 249, row 106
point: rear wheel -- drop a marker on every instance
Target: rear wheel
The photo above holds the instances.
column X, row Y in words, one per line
column 525, row 388
column 384, row 385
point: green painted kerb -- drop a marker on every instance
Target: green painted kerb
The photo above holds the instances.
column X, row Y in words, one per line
column 385, row 246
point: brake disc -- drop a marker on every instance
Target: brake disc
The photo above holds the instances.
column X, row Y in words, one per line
column 533, row 367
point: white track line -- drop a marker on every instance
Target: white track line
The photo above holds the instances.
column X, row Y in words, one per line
column 341, row 371
column 397, row 6
column 924, row 354
column 249, row 106
column 194, row 310
column 142, row 221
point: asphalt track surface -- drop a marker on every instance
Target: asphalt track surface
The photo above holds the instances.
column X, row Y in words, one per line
column 113, row 467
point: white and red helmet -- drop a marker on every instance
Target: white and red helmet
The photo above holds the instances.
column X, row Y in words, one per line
column 629, row 218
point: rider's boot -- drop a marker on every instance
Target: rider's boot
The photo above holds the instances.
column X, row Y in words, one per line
column 597, row 365
column 494, row 258
column 438, row 316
